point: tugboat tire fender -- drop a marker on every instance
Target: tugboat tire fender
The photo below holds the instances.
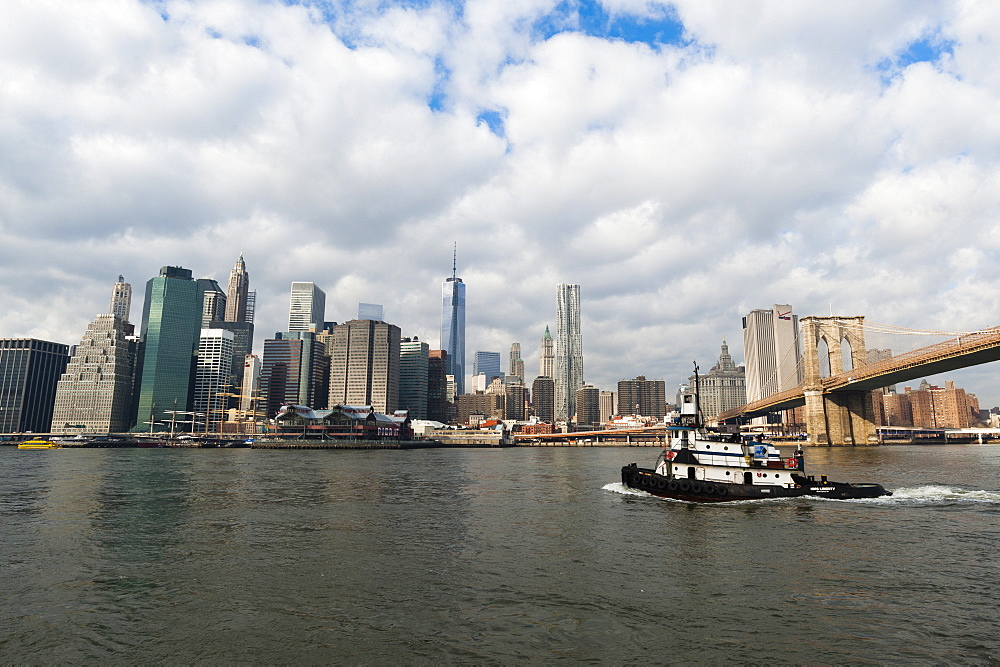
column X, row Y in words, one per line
column 684, row 485
column 696, row 487
column 672, row 485
column 721, row 490
column 661, row 483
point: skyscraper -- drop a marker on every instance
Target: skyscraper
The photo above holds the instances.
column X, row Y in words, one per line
column 371, row 311
column 453, row 326
column 171, row 326
column 213, row 302
column 543, row 397
column 516, row 367
column 213, row 376
column 29, row 372
column 437, row 387
column 280, row 374
column 364, row 365
column 488, row 364
column 569, row 349
column 608, row 406
column 121, row 299
column 642, row 397
column 250, row 386
column 771, row 351
column 237, row 294
column 238, row 318
column 306, row 307
column 94, row 395
column 588, row 405
column 413, row 377
column 547, row 356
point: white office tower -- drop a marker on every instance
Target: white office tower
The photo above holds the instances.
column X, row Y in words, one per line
column 211, row 384
column 94, row 395
column 547, row 357
column 771, row 351
column 569, row 349
column 121, row 299
column 250, row 385
column 306, row 308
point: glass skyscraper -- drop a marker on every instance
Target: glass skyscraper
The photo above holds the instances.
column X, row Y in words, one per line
column 29, row 372
column 488, row 363
column 453, row 328
column 170, row 333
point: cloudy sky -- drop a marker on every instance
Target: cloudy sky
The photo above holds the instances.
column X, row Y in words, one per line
column 683, row 162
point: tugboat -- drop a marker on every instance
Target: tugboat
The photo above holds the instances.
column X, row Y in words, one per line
column 699, row 466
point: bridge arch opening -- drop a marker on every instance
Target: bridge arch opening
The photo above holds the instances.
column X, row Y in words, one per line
column 846, row 355
column 823, row 356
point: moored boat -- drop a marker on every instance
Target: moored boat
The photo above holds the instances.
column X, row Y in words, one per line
column 38, row 443
column 699, row 466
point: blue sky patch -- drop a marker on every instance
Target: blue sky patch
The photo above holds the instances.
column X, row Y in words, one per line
column 437, row 98
column 928, row 49
column 592, row 18
column 493, row 120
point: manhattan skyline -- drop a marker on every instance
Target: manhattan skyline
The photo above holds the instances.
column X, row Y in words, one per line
column 685, row 163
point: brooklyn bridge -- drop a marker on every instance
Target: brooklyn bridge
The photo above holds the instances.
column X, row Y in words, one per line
column 838, row 407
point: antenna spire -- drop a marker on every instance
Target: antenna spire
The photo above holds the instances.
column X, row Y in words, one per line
column 454, row 261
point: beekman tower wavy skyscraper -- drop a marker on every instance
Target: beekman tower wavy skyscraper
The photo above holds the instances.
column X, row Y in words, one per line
column 453, row 326
column 569, row 350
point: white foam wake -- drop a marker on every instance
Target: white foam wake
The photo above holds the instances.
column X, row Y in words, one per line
column 938, row 493
column 618, row 487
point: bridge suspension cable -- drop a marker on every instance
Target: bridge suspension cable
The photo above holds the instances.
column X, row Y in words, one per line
column 906, row 331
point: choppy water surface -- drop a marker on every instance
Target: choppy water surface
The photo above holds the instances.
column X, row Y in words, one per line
column 488, row 556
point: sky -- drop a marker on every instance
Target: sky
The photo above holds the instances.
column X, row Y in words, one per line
column 683, row 162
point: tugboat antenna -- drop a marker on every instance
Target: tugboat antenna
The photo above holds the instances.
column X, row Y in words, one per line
column 697, row 395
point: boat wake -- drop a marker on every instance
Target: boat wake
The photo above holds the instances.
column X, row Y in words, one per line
column 618, row 487
column 935, row 494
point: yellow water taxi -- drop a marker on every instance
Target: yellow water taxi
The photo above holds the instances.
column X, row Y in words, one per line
column 38, row 443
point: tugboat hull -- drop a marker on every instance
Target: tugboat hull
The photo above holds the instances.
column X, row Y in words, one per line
column 693, row 490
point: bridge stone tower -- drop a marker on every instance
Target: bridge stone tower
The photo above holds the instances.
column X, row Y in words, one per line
column 843, row 417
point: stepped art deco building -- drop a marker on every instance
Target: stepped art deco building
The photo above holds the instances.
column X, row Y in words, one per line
column 94, row 395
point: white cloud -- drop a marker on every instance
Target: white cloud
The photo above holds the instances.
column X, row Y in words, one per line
column 768, row 160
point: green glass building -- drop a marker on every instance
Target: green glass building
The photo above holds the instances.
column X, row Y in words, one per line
column 171, row 328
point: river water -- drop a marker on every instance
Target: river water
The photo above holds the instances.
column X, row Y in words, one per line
column 488, row 556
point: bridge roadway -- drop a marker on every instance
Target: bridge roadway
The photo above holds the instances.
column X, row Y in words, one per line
column 971, row 349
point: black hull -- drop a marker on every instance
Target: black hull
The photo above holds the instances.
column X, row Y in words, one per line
column 644, row 479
